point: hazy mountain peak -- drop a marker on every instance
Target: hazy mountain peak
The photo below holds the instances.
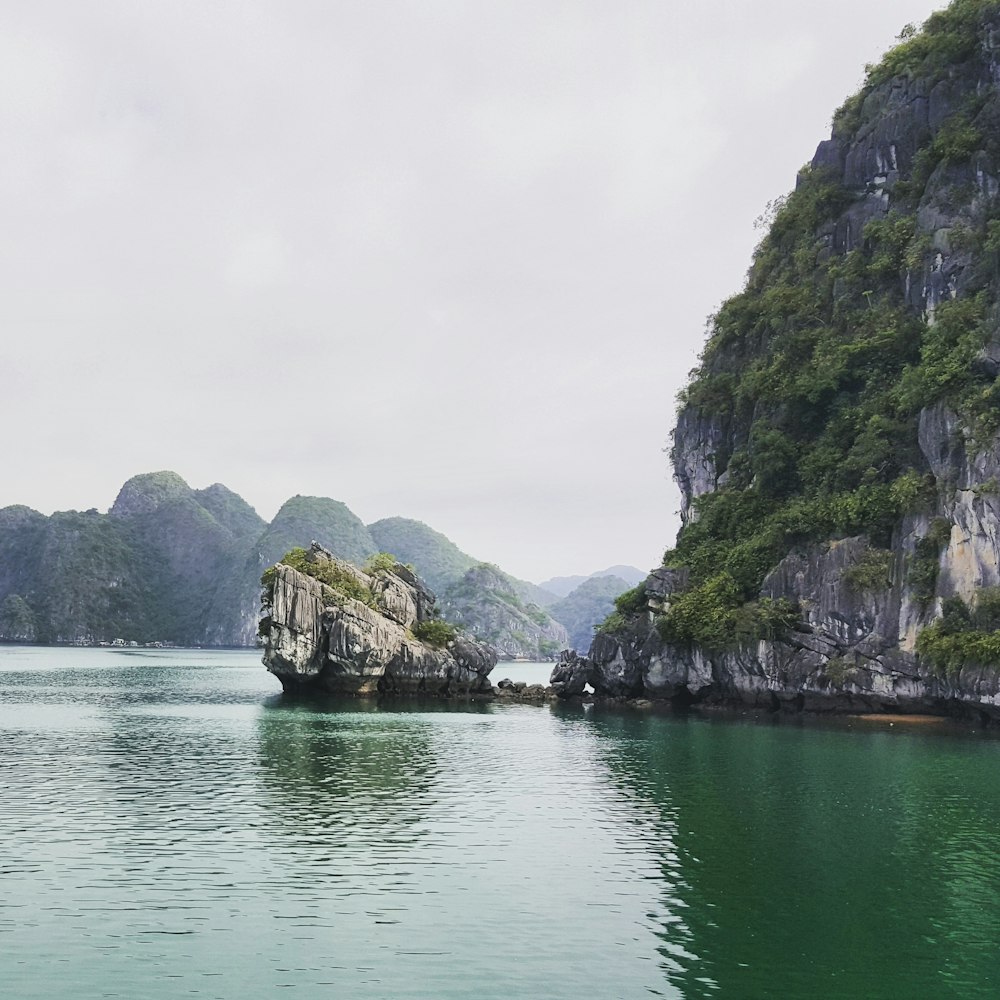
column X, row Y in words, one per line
column 564, row 585
column 147, row 491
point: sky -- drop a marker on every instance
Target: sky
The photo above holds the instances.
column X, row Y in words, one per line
column 444, row 259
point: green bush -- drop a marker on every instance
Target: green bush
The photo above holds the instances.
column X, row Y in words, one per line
column 632, row 601
column 340, row 583
column 614, row 624
column 715, row 616
column 873, row 571
column 964, row 636
column 435, row 633
column 381, row 562
column 838, row 669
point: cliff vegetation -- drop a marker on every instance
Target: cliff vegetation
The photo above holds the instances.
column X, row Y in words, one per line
column 872, row 296
column 837, row 447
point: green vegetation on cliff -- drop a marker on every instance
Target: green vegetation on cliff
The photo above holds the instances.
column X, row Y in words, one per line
column 338, row 583
column 435, row 632
column 436, row 557
column 809, row 389
column 964, row 635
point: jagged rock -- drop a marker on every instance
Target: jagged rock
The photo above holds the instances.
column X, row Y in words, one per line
column 698, row 439
column 571, row 674
column 316, row 639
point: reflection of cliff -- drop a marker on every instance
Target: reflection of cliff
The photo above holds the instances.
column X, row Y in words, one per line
column 805, row 859
column 361, row 772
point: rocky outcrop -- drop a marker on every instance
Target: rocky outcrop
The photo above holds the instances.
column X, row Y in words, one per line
column 854, row 647
column 571, row 674
column 321, row 638
column 700, row 439
column 918, row 154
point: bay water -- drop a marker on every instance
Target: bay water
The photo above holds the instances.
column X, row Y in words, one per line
column 171, row 825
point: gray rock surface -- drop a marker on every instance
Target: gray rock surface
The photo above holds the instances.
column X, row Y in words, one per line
column 571, row 674
column 316, row 640
column 854, row 649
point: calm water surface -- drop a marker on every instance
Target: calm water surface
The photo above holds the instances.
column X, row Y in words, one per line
column 171, row 826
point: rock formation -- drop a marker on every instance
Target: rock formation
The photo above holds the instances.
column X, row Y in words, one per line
column 337, row 629
column 837, row 451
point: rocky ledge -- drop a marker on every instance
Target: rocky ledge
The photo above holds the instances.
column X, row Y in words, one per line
column 329, row 627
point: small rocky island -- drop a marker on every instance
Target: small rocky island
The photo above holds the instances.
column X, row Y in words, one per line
column 331, row 627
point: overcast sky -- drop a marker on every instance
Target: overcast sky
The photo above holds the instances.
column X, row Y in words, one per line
column 447, row 260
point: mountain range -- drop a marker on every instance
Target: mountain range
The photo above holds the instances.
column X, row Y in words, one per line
column 180, row 565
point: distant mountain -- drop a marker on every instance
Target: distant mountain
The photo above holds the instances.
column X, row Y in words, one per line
column 176, row 564
column 561, row 586
column 300, row 520
column 438, row 560
column 487, row 604
column 586, row 606
column 142, row 571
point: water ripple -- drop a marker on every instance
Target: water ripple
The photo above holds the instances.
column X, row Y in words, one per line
column 169, row 826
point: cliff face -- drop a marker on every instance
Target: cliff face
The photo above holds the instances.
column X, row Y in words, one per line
column 358, row 634
column 837, row 450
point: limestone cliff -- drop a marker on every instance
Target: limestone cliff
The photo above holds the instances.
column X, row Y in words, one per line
column 837, row 450
column 338, row 629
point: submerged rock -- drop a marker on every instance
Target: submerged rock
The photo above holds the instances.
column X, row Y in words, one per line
column 358, row 634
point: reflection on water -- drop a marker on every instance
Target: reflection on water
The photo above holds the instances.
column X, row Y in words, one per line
column 172, row 826
column 822, row 861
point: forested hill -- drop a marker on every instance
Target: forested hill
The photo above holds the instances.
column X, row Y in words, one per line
column 836, row 447
column 174, row 564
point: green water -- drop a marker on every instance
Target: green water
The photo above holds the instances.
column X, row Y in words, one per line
column 171, row 826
